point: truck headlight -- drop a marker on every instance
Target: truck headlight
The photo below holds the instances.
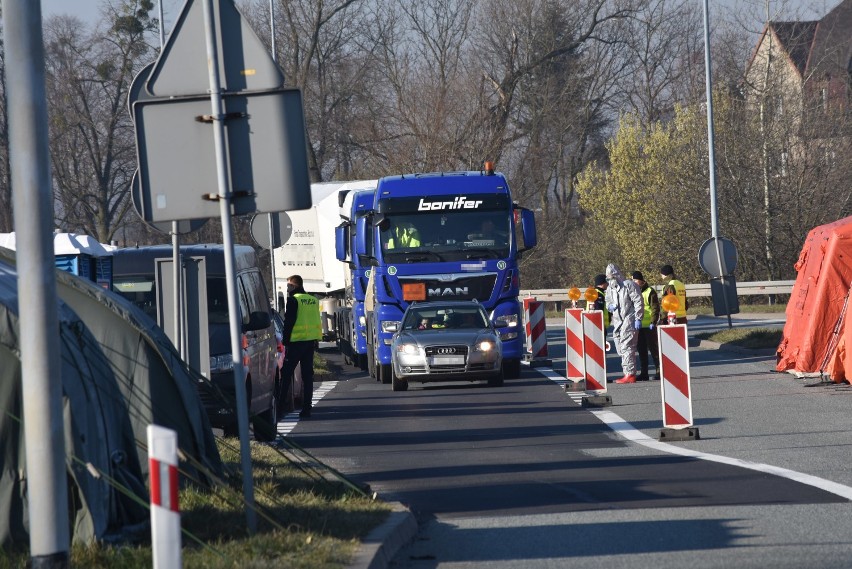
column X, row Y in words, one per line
column 390, row 326
column 362, row 320
column 509, row 319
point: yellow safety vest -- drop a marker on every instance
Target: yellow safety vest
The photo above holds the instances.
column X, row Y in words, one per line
column 646, row 316
column 408, row 237
column 680, row 290
column 308, row 325
column 602, row 295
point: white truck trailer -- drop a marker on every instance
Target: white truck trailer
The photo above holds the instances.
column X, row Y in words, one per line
column 310, row 252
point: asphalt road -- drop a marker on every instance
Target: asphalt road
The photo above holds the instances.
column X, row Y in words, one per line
column 523, row 476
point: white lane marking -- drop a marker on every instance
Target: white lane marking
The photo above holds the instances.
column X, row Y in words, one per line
column 290, row 420
column 629, row 432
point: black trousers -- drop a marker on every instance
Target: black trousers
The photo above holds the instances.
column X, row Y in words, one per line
column 648, row 341
column 299, row 353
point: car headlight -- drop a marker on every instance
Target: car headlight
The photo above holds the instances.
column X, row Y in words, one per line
column 408, row 349
column 509, row 319
column 390, row 325
column 485, row 346
column 220, row 363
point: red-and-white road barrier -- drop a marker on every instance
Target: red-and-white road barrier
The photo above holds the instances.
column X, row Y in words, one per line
column 165, row 514
column 536, row 328
column 575, row 366
column 674, row 373
column 594, row 360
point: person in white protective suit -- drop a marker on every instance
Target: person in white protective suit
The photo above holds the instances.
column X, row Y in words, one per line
column 624, row 301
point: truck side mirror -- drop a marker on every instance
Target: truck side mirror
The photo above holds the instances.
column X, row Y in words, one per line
column 362, row 234
column 340, row 239
column 528, row 229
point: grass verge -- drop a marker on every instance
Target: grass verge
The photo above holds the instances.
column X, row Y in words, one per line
column 305, row 521
column 751, row 338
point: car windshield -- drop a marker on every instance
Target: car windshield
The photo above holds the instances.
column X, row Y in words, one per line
column 445, row 236
column 445, row 317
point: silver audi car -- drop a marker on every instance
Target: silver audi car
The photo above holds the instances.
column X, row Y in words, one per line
column 446, row 341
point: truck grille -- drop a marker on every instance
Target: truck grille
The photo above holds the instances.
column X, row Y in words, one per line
column 463, row 288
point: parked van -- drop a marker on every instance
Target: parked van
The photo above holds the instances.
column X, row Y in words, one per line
column 143, row 275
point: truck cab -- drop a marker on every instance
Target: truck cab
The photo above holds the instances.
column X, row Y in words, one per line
column 350, row 318
column 443, row 236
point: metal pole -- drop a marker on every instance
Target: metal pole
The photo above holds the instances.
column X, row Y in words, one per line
column 177, row 265
column 29, row 156
column 269, row 218
column 230, row 272
column 714, row 219
column 162, row 25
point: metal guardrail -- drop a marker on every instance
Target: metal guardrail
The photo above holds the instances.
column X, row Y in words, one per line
column 692, row 290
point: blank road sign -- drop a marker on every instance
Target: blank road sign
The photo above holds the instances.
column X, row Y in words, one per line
column 267, row 155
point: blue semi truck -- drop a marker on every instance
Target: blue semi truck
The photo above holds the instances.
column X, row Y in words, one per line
column 350, row 320
column 444, row 235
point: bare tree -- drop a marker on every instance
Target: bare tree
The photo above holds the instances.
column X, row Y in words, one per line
column 319, row 46
column 88, row 75
column 664, row 51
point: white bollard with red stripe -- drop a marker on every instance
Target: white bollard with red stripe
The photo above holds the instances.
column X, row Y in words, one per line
column 594, row 360
column 165, row 514
column 675, row 384
column 575, row 367
column 536, row 330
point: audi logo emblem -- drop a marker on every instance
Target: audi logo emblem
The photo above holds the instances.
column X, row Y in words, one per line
column 446, row 350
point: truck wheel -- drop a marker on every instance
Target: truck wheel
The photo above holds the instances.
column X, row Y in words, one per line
column 396, row 383
column 512, row 369
column 386, row 372
column 371, row 362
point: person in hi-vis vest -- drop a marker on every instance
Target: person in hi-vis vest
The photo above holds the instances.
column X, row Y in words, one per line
column 404, row 235
column 648, row 333
column 302, row 332
column 677, row 288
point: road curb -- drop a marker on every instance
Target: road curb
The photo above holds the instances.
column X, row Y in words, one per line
column 381, row 544
column 733, row 348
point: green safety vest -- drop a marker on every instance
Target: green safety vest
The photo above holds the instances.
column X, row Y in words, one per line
column 308, row 325
column 646, row 316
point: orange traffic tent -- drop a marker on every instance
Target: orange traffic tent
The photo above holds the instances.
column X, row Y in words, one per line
column 818, row 332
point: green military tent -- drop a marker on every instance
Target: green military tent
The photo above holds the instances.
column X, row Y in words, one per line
column 119, row 374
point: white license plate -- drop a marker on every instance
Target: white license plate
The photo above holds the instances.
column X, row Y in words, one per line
column 447, row 361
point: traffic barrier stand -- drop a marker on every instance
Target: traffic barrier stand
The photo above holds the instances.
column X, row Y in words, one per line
column 594, row 360
column 675, row 385
column 165, row 514
column 575, row 366
column 536, row 330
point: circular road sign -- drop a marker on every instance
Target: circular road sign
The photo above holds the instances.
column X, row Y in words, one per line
column 718, row 257
column 282, row 228
column 184, row 226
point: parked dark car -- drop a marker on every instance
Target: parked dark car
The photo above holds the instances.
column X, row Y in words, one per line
column 136, row 277
column 446, row 341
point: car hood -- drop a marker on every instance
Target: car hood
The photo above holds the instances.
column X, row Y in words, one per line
column 444, row 336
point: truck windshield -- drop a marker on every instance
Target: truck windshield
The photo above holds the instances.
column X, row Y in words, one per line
column 457, row 235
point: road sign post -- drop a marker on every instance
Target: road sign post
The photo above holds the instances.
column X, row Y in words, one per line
column 217, row 133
